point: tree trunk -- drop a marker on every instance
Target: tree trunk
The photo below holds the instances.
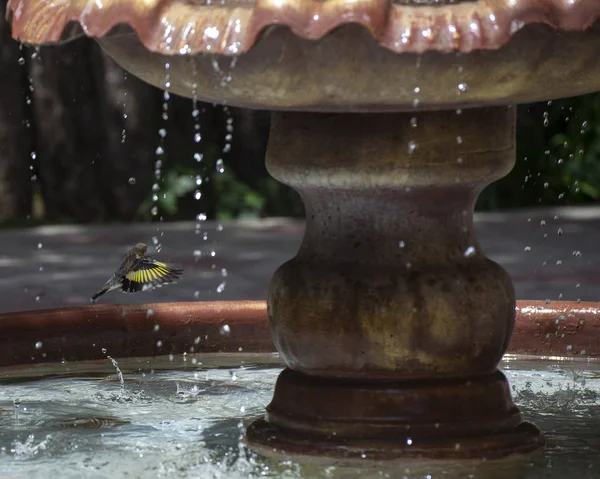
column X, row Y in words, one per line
column 85, row 166
column 15, row 138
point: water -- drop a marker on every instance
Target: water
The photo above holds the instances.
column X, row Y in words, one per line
column 188, row 423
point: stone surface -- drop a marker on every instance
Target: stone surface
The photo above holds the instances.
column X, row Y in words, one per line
column 548, row 252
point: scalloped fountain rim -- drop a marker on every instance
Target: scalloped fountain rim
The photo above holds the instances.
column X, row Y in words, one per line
column 231, row 27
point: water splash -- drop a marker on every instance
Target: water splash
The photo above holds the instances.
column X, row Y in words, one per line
column 119, row 372
column 29, row 448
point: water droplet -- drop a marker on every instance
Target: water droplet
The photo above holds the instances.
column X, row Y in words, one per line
column 201, row 217
column 225, row 330
column 197, row 138
column 401, row 244
column 40, row 246
column 162, row 132
column 413, row 122
column 21, row 61
column 412, row 146
column 159, row 150
column 38, row 345
column 409, row 441
column 220, row 166
column 462, row 87
column 221, row 287
column 527, row 248
column 459, row 140
column 470, row 251
column 132, row 180
column 197, row 194
column 103, row 350
column 198, row 157
column 154, row 210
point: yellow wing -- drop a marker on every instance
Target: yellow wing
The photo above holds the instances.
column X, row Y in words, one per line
column 148, row 273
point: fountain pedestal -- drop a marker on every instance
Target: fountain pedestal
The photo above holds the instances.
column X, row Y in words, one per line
column 391, row 320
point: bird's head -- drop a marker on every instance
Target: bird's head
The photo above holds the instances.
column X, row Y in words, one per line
column 140, row 249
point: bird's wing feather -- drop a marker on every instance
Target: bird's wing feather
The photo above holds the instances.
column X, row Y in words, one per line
column 148, row 272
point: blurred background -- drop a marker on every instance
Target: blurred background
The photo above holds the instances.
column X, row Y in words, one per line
column 90, row 133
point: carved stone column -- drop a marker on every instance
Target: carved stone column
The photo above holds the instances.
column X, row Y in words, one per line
column 391, row 320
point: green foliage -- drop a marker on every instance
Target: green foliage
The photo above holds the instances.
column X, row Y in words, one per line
column 178, row 182
column 558, row 148
column 558, row 153
column 235, row 199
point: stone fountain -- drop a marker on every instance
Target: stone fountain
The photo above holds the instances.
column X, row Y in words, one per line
column 389, row 118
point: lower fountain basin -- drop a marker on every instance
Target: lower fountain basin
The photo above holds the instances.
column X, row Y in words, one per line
column 78, row 421
column 184, row 414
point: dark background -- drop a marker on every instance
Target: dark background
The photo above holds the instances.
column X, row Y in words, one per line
column 67, row 104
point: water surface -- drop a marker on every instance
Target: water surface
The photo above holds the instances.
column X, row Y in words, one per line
column 188, row 423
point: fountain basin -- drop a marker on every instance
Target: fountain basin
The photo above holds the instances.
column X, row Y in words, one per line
column 188, row 421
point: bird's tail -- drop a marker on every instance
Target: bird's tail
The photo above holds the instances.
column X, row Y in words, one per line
column 100, row 293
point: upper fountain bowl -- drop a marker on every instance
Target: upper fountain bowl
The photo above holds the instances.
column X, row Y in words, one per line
column 339, row 55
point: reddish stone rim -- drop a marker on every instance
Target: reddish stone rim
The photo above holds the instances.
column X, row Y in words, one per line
column 564, row 329
column 231, row 27
column 125, row 331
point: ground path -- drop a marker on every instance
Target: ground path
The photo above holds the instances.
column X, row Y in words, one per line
column 548, row 252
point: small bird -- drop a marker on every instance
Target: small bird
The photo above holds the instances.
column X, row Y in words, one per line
column 138, row 272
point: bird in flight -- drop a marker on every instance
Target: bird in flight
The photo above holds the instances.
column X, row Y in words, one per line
column 138, row 272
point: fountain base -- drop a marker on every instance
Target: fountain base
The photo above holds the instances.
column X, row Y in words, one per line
column 471, row 418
